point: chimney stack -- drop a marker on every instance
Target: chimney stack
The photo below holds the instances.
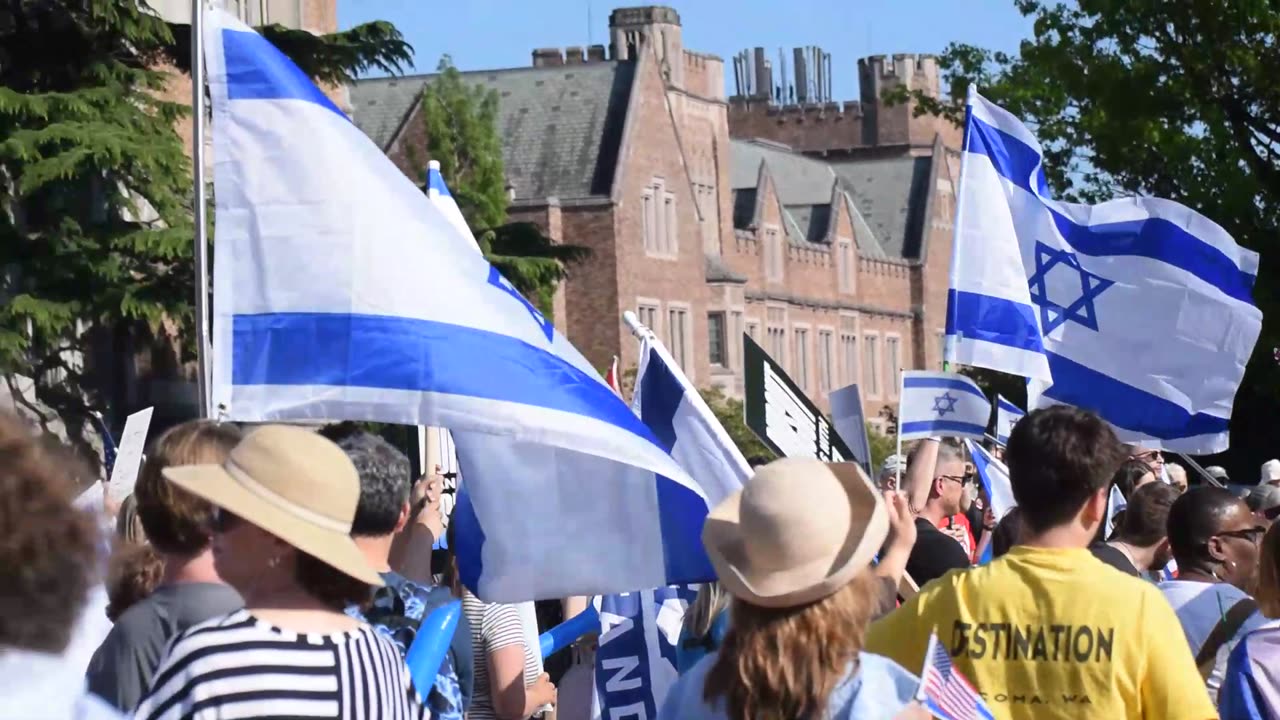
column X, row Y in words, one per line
column 595, row 53
column 573, row 55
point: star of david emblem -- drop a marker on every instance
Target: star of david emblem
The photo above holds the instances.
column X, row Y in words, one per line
column 1081, row 310
column 944, row 404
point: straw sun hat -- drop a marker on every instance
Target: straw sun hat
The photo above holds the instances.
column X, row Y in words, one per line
column 295, row 485
column 797, row 532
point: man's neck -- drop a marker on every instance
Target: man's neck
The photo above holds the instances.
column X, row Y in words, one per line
column 377, row 550
column 1195, row 574
column 934, row 512
column 196, row 568
column 1141, row 557
column 1065, row 537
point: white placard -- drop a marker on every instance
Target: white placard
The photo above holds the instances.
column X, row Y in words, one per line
column 124, row 474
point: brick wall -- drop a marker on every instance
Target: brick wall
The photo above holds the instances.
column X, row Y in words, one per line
column 806, row 128
column 651, row 150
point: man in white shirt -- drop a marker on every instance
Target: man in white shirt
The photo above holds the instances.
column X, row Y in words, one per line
column 1214, row 538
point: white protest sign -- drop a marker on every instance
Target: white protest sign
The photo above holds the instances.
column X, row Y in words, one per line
column 124, row 474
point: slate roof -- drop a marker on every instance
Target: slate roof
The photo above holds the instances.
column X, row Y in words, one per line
column 800, row 180
column 560, row 126
column 890, row 194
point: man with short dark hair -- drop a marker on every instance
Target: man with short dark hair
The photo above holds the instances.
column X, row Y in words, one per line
column 1141, row 542
column 1048, row 631
column 1215, row 539
column 398, row 609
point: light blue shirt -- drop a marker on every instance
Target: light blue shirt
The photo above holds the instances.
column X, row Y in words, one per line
column 877, row 691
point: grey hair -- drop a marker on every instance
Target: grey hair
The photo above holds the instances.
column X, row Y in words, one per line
column 707, row 606
column 384, row 483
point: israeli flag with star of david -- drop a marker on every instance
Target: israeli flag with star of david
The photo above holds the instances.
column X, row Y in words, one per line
column 341, row 292
column 941, row 404
column 1139, row 309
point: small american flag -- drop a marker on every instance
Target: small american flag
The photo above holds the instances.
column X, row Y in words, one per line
column 944, row 691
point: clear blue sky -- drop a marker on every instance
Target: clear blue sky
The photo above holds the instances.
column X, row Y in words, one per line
column 482, row 34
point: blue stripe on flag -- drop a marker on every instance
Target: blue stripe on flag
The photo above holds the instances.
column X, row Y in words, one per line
column 399, row 353
column 977, row 317
column 468, row 540
column 1154, row 238
column 938, row 427
column 256, row 70
column 1124, row 405
column 944, row 383
column 681, row 511
column 1010, row 407
column 435, row 181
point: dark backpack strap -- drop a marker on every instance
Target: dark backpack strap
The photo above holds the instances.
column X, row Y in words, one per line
column 1226, row 629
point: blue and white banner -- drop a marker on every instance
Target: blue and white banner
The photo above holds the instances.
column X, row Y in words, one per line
column 995, row 479
column 941, row 404
column 635, row 662
column 342, row 292
column 1007, row 415
column 1139, row 309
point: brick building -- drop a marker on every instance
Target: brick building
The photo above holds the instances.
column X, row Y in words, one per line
column 822, row 230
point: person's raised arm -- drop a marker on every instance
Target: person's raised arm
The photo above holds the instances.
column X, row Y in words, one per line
column 919, row 475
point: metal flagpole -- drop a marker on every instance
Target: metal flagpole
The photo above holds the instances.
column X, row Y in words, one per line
column 1203, row 473
column 902, row 386
column 201, row 218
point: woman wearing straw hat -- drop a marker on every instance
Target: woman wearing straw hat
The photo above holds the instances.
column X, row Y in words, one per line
column 285, row 499
column 794, row 549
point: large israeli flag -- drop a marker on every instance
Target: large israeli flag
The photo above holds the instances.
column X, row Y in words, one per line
column 941, row 404
column 1007, row 415
column 341, row 292
column 1139, row 309
column 636, row 660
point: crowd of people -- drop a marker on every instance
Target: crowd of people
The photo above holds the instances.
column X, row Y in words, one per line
column 284, row 572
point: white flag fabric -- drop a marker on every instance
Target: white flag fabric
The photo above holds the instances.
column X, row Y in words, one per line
column 1115, row 503
column 342, row 292
column 995, row 478
column 1007, row 415
column 1139, row 309
column 941, row 404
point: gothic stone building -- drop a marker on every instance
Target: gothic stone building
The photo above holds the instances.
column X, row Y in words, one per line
column 821, row 230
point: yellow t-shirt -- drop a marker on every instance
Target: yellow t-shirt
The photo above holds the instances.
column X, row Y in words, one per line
column 1053, row 634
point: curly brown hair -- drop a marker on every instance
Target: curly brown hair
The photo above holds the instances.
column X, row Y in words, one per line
column 48, row 549
column 132, row 575
column 784, row 663
column 177, row 522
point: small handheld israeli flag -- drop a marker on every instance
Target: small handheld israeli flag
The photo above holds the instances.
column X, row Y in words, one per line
column 1007, row 415
column 994, row 476
column 1139, row 309
column 941, row 404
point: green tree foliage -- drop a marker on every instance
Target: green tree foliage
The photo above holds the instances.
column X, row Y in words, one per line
column 732, row 416
column 1174, row 100
column 95, row 185
column 882, row 446
column 462, row 135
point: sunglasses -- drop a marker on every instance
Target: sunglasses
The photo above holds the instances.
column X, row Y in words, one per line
column 1253, row 535
column 962, row 479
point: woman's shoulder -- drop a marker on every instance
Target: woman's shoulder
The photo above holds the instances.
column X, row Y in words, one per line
column 881, row 682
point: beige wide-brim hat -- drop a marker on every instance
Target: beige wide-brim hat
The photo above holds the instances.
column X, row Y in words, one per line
column 797, row 532
column 292, row 483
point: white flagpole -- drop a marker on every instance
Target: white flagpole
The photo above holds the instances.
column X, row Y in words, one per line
column 201, row 218
column 949, row 343
column 902, row 386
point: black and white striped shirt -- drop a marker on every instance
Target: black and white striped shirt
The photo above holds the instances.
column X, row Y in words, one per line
column 493, row 627
column 238, row 666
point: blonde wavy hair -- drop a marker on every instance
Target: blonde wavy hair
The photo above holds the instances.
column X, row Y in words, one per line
column 707, row 606
column 784, row 663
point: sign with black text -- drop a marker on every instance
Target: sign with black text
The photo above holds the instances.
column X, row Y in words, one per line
column 781, row 415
